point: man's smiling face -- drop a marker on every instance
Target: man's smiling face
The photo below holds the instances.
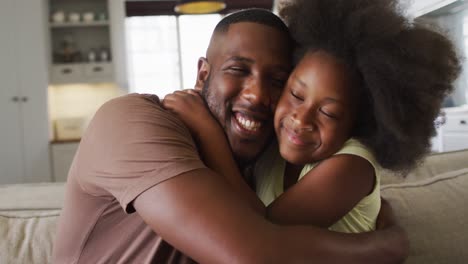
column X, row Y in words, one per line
column 243, row 76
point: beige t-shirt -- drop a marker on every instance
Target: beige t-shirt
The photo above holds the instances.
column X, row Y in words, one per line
column 131, row 145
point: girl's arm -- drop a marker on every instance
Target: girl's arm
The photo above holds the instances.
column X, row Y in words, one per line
column 214, row 148
column 326, row 193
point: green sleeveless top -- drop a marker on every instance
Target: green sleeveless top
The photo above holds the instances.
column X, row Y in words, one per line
column 269, row 173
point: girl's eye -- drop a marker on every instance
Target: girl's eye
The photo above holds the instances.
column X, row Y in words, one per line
column 327, row 114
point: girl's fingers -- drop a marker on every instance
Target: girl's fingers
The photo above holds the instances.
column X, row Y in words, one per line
column 186, row 97
column 167, row 98
column 193, row 91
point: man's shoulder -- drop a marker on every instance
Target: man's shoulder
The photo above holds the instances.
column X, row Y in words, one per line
column 137, row 113
column 134, row 99
column 132, row 105
column 152, row 98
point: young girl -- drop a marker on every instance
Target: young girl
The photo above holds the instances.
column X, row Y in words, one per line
column 363, row 96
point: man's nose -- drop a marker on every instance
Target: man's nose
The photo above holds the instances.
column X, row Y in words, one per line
column 256, row 91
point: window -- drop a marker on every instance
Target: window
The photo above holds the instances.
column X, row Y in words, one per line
column 163, row 51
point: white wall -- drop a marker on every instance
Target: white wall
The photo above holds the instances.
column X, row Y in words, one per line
column 420, row 7
column 453, row 26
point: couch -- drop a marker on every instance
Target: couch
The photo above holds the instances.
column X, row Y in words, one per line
column 429, row 202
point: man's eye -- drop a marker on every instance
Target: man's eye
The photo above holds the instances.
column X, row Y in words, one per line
column 238, row 70
column 295, row 95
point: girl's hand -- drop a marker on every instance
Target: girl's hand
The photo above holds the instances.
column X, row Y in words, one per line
column 190, row 107
column 211, row 141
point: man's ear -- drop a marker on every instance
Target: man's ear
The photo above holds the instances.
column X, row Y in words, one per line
column 203, row 73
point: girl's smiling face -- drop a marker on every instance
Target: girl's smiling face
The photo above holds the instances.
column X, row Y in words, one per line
column 316, row 112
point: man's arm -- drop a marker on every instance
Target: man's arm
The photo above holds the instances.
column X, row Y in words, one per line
column 199, row 214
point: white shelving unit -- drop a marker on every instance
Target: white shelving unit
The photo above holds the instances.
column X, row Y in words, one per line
column 76, row 45
column 108, row 32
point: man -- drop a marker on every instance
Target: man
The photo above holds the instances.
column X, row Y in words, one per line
column 137, row 176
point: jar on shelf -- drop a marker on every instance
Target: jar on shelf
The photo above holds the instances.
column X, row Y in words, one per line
column 104, row 55
column 91, row 56
column 74, row 17
column 58, row 16
column 88, row 17
column 102, row 16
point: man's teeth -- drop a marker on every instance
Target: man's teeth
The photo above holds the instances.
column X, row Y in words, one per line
column 248, row 124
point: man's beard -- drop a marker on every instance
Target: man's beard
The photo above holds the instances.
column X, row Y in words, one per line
column 210, row 100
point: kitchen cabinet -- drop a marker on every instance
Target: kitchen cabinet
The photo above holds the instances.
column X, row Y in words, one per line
column 87, row 41
column 79, row 39
column 62, row 157
column 24, row 151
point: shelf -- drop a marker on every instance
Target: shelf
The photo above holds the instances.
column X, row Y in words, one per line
column 75, row 39
column 79, row 24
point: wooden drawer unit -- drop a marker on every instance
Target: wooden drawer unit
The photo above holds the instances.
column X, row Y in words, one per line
column 98, row 70
column 453, row 134
column 82, row 73
column 456, row 123
column 64, row 73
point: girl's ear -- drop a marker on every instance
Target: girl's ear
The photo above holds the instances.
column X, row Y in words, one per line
column 203, row 73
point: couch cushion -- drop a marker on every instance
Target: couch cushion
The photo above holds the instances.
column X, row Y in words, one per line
column 32, row 196
column 432, row 165
column 434, row 213
column 27, row 236
column 28, row 218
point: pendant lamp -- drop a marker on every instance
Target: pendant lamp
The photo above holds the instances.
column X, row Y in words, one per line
column 199, row 7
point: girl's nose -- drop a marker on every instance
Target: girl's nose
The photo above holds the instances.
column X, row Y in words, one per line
column 303, row 120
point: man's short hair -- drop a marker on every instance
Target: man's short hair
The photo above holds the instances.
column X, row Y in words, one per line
column 254, row 15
